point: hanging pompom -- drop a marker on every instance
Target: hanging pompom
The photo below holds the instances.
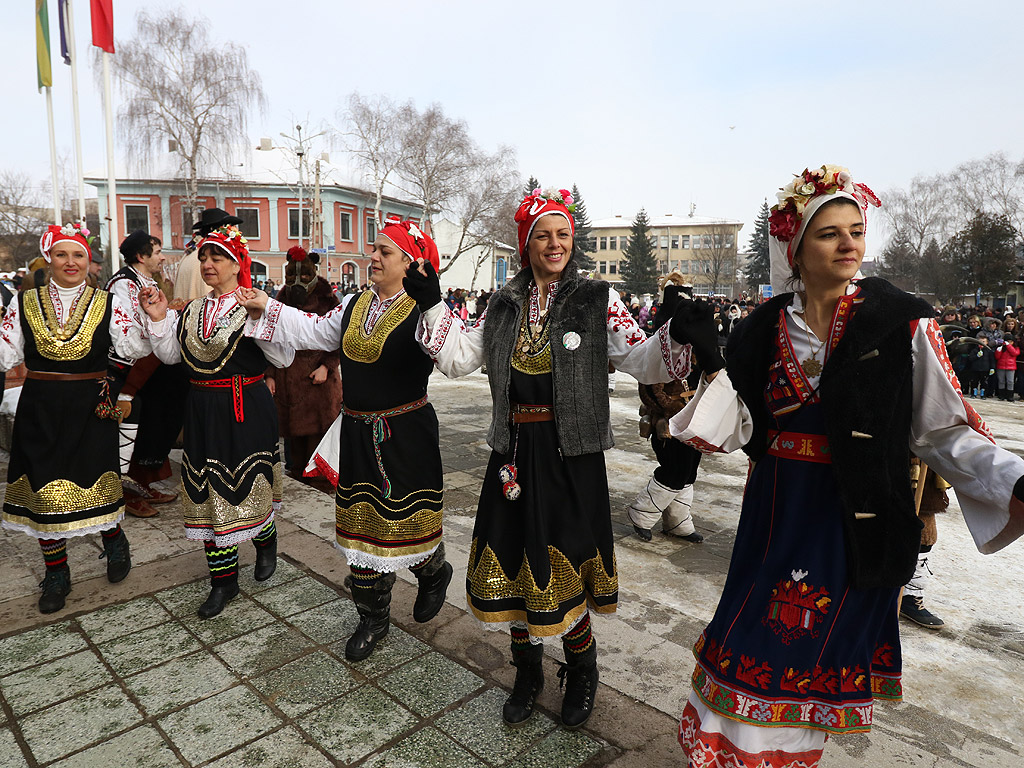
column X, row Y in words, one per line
column 507, row 473
column 511, row 490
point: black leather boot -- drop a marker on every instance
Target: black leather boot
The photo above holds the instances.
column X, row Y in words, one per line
column 434, row 579
column 374, row 607
column 266, row 559
column 579, row 676
column 56, row 586
column 223, row 591
column 529, row 682
column 119, row 558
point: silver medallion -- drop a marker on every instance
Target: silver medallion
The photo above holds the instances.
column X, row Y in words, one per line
column 571, row 341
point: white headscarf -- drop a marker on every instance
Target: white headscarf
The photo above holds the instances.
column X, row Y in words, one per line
column 781, row 252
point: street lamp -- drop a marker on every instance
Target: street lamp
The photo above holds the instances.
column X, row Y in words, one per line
column 299, row 148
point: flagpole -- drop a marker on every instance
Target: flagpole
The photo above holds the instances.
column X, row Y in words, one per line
column 70, row 19
column 53, row 158
column 108, row 108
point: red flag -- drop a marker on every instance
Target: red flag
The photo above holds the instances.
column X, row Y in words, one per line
column 103, row 25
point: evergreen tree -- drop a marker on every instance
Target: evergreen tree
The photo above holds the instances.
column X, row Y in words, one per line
column 640, row 265
column 757, row 270
column 531, row 185
column 581, row 222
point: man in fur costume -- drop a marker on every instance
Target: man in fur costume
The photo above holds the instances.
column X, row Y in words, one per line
column 308, row 392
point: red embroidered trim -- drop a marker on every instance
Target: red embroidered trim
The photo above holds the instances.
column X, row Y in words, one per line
column 270, row 319
column 938, row 345
column 703, row 445
column 323, row 467
column 440, row 334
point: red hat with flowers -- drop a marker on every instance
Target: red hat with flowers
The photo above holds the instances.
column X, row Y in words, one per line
column 72, row 232
column 542, row 203
column 411, row 240
column 231, row 241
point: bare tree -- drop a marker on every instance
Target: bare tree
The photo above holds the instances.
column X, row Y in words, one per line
column 991, row 185
column 23, row 217
column 719, row 251
column 185, row 92
column 375, row 133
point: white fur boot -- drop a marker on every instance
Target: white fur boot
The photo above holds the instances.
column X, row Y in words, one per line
column 678, row 519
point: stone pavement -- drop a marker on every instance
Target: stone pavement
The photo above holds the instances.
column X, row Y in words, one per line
column 274, row 660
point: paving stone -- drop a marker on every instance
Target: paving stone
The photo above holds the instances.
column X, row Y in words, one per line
column 10, row 752
column 296, row 596
column 357, row 724
column 117, row 620
column 397, row 647
column 216, row 725
column 141, row 748
column 262, row 649
column 282, row 749
column 180, row 681
column 284, row 573
column 561, row 748
column 240, row 616
column 427, row 748
column 54, row 681
column 65, row 728
column 430, row 683
column 477, row 724
column 305, row 683
column 140, row 650
column 39, row 645
column 183, row 600
column 329, row 622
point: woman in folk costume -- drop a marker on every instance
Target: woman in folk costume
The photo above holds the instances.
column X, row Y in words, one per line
column 62, row 480
column 828, row 388
column 542, row 551
column 389, row 478
column 231, row 469
column 308, row 392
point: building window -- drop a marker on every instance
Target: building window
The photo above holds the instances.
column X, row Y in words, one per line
column 602, row 267
column 706, row 241
column 696, row 242
column 187, row 221
column 345, row 232
column 663, row 241
column 685, row 241
column 653, row 241
column 250, row 225
column 136, row 217
column 613, row 267
column 446, row 257
column 684, row 267
column 718, row 241
column 349, row 274
column 371, row 230
column 728, row 241
column 602, row 243
column 675, row 242
column 664, row 266
column 293, row 223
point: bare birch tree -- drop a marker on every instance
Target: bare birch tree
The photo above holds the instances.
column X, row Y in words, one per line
column 180, row 86
column 23, row 217
column 719, row 251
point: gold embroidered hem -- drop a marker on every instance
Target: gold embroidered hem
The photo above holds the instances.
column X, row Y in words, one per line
column 73, row 340
column 365, row 347
column 215, row 513
column 488, row 581
column 384, row 528
column 62, row 507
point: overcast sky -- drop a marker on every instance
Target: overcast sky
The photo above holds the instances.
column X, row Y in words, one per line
column 653, row 104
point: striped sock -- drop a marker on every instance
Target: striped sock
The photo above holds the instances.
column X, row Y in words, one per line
column 364, row 578
column 222, row 561
column 579, row 639
column 520, row 639
column 266, row 536
column 55, row 553
column 111, row 533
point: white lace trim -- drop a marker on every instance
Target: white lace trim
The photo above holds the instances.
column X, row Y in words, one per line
column 205, row 534
column 87, row 531
column 382, row 564
column 506, row 626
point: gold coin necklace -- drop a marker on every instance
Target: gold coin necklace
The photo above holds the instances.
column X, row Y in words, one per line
column 812, row 367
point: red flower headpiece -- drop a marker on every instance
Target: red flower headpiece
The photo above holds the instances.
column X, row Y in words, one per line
column 787, row 215
column 231, row 241
column 412, row 241
column 541, row 203
column 72, row 232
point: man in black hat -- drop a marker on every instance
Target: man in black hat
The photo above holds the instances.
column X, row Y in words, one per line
column 187, row 283
column 143, row 258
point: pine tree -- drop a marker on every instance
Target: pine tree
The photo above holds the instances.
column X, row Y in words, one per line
column 531, row 185
column 758, row 271
column 581, row 223
column 640, row 265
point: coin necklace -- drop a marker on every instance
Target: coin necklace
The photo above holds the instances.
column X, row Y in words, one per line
column 811, row 365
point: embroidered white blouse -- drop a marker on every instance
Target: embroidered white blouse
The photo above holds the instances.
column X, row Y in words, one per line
column 127, row 334
column 458, row 350
column 946, row 432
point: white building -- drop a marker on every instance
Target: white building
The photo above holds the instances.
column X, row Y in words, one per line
column 476, row 269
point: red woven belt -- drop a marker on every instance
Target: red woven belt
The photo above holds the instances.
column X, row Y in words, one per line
column 237, row 383
column 801, row 446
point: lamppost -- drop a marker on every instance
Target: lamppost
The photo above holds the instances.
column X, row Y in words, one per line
column 298, row 146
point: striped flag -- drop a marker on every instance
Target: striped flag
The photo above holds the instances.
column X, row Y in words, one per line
column 103, row 24
column 44, row 75
column 62, row 13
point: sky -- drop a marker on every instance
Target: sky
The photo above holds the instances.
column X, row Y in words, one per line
column 660, row 105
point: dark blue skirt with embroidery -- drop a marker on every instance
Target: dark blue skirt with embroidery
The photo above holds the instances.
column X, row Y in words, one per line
column 792, row 643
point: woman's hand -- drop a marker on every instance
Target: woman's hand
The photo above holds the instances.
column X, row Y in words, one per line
column 254, row 300
column 153, row 303
column 319, row 375
column 694, row 323
column 422, row 284
column 271, row 385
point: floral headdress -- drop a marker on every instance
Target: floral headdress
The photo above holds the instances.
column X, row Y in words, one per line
column 74, row 231
column 231, row 240
column 787, row 215
column 541, row 203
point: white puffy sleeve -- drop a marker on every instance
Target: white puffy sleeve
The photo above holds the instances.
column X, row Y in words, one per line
column 12, row 344
column 289, row 328
column 951, row 438
column 716, row 420
column 653, row 360
column 164, row 339
column 129, row 336
column 454, row 348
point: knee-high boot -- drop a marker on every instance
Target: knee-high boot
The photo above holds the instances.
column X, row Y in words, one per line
column 434, row 575
column 372, row 596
